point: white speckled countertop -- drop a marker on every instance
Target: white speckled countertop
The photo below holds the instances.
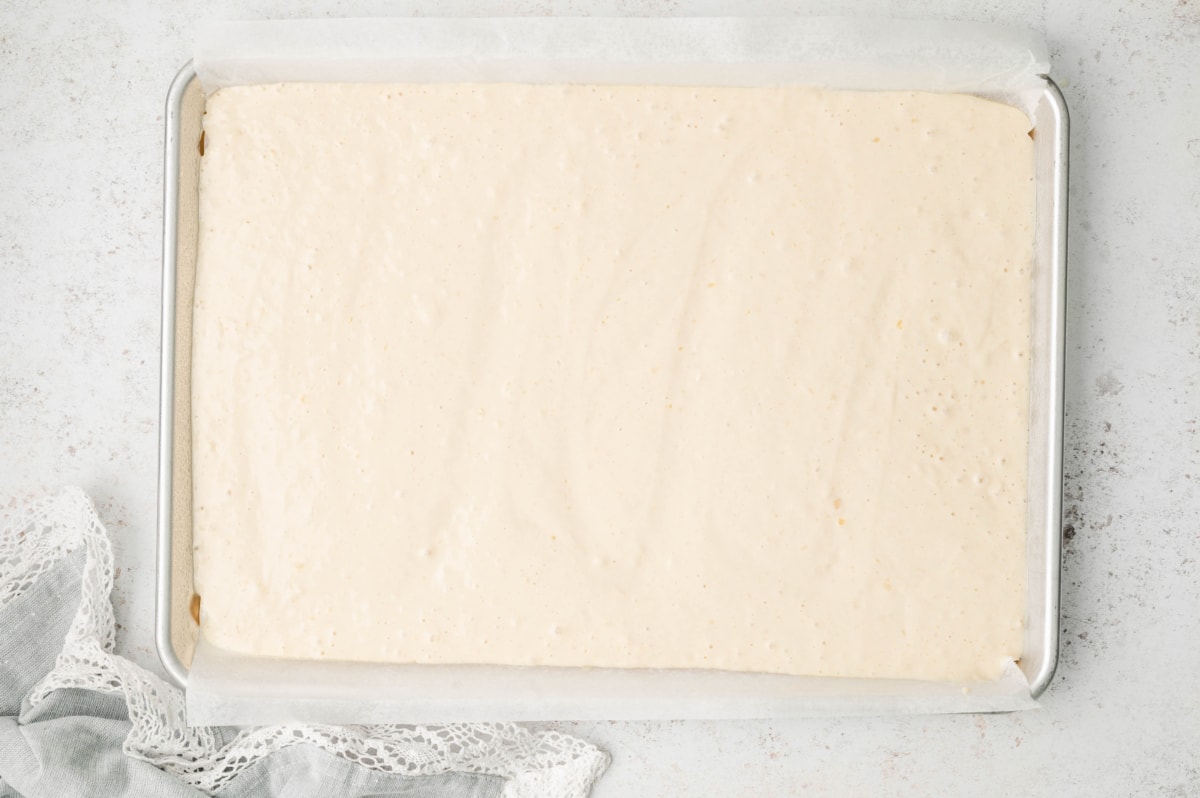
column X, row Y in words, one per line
column 81, row 103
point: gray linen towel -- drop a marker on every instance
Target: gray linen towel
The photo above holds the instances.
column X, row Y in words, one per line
column 78, row 720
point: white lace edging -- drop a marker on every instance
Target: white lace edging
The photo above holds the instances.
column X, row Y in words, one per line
column 533, row 764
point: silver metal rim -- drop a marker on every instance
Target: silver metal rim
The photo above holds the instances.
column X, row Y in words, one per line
column 1053, row 519
column 166, row 406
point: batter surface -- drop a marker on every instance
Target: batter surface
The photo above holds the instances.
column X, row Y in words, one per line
column 614, row 376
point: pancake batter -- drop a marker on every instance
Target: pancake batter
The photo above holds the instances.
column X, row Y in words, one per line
column 614, row 376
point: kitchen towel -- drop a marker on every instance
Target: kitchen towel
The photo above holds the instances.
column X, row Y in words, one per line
column 77, row 719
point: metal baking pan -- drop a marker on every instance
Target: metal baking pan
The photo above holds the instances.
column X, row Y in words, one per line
column 176, row 624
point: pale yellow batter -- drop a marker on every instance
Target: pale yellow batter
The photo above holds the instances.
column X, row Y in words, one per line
column 614, row 376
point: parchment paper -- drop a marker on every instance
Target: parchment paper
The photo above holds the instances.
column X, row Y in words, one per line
column 826, row 51
column 234, row 689
column 831, row 52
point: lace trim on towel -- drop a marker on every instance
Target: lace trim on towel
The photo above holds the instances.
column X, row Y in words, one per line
column 533, row 763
